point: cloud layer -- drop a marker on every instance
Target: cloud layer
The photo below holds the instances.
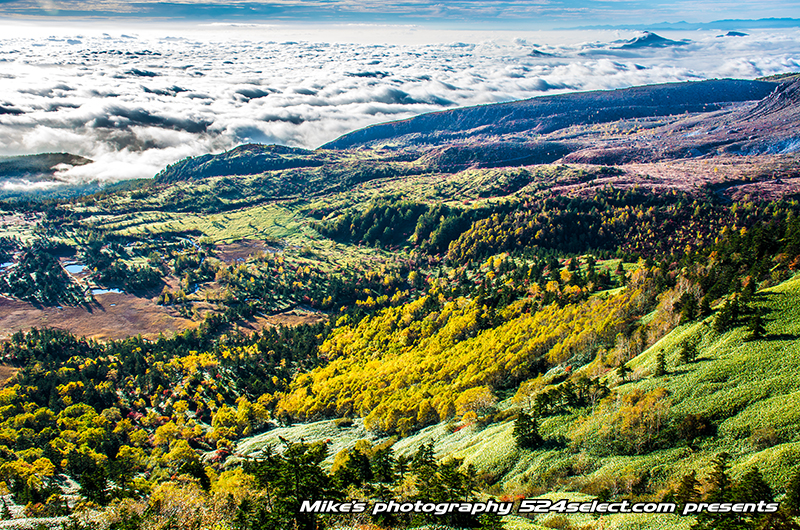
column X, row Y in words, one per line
column 135, row 102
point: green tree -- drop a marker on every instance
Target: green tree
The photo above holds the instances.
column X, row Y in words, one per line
column 355, row 470
column 688, row 489
column 383, row 465
column 719, row 479
column 688, row 351
column 752, row 486
column 526, row 432
column 727, row 315
column 661, row 364
column 622, row 372
column 791, row 502
column 705, row 306
column 720, row 491
column 756, row 327
column 688, row 305
column 90, row 474
column 288, row 479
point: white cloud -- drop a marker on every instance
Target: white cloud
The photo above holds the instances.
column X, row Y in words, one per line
column 138, row 102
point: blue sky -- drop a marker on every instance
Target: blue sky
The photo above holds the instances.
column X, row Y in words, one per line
column 540, row 14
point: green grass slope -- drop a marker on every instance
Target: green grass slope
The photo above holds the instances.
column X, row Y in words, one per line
column 748, row 389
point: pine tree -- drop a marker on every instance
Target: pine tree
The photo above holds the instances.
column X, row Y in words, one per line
column 791, row 502
column 752, row 487
column 622, row 372
column 749, row 290
column 424, row 466
column 355, row 470
column 289, row 478
column 719, row 480
column 705, row 306
column 661, row 365
column 526, row 432
column 688, row 352
column 756, row 327
column 688, row 489
column 688, row 305
column 727, row 315
column 620, row 272
column 383, row 466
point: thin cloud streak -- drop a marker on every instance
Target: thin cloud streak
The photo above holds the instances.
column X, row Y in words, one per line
column 486, row 13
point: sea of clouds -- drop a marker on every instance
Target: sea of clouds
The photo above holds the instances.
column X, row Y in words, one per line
column 136, row 100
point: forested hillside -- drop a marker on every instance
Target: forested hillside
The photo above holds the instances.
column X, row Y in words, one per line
column 437, row 325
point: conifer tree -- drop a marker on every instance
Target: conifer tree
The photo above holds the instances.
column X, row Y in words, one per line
column 661, row 365
column 752, row 487
column 756, row 327
column 383, row 466
column 688, row 351
column 622, row 372
column 719, row 480
column 705, row 306
column 791, row 502
column 727, row 315
column 526, row 432
column 688, row 305
column 688, row 489
column 720, row 486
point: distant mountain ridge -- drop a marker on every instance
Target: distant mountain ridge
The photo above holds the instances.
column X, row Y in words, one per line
column 546, row 114
column 638, row 124
column 40, row 167
column 721, row 25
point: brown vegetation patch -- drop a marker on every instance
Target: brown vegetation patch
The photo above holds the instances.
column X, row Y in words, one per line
column 113, row 316
column 6, row 373
column 18, row 219
column 764, row 177
column 293, row 317
column 770, row 190
column 241, row 250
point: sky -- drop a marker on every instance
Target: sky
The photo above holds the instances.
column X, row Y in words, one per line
column 494, row 14
column 134, row 90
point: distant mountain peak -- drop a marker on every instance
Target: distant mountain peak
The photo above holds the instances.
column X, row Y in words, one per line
column 651, row 40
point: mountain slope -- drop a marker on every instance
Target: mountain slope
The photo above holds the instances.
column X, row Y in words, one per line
column 247, row 159
column 547, row 114
column 640, row 124
column 744, row 391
